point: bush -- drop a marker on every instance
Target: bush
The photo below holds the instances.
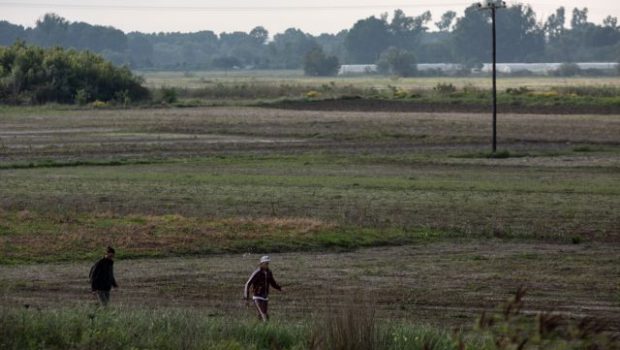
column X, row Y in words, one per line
column 168, row 95
column 567, row 70
column 313, row 94
column 510, row 327
column 522, row 90
column 316, row 63
column 445, row 88
column 99, row 104
column 397, row 62
column 81, row 97
column 30, row 74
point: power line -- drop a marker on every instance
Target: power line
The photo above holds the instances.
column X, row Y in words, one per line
column 223, row 8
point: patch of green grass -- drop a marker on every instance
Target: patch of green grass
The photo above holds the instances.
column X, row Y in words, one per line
column 32, row 237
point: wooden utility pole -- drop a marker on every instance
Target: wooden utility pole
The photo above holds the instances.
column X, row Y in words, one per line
column 493, row 5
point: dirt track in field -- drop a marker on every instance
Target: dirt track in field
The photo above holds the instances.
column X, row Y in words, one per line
column 378, row 105
column 448, row 284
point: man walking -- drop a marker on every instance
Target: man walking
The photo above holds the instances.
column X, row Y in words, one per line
column 102, row 277
column 259, row 282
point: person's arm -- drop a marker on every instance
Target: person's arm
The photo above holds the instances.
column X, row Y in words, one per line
column 93, row 275
column 248, row 284
column 112, row 277
column 273, row 282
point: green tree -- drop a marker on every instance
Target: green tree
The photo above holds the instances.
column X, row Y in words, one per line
column 10, row 33
column 140, row 51
column 397, row 62
column 51, row 30
column 445, row 23
column 554, row 27
column 580, row 18
column 260, row 35
column 367, row 39
column 611, row 22
column 520, row 38
column 333, row 44
column 316, row 63
column 406, row 31
column 288, row 49
column 471, row 36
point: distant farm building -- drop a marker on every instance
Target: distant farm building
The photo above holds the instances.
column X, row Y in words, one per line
column 545, row 68
column 357, row 69
column 441, row 67
column 507, row 68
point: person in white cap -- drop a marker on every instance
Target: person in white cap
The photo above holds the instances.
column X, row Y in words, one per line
column 259, row 283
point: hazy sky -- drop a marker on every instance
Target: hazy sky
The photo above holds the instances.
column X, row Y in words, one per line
column 316, row 16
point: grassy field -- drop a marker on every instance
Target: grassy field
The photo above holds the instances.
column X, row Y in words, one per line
column 407, row 210
column 202, row 79
column 290, row 89
column 175, row 181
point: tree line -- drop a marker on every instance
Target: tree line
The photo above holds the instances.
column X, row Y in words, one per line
column 398, row 39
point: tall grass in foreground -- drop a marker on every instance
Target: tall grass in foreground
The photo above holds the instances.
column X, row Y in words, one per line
column 116, row 328
column 353, row 327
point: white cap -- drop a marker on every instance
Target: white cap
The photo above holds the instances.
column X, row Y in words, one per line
column 265, row 259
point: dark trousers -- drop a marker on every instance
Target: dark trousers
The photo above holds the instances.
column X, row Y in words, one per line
column 262, row 309
column 103, row 296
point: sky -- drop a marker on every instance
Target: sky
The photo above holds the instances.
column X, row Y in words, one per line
column 315, row 17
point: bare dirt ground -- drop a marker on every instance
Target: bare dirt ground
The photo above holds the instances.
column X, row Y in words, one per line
column 446, row 284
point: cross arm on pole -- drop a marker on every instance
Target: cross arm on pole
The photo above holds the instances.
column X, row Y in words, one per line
column 491, row 4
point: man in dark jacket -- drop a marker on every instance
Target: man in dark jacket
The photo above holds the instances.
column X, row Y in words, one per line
column 259, row 283
column 102, row 277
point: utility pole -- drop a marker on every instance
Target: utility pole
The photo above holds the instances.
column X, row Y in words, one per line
column 493, row 5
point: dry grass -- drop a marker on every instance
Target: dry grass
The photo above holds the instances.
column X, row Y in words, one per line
column 277, row 78
column 39, row 237
column 350, row 327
